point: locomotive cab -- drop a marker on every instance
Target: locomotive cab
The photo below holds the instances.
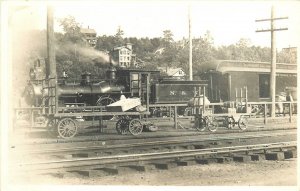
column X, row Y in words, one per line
column 135, row 82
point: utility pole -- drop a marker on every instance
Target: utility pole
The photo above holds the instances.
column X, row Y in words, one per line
column 191, row 47
column 51, row 73
column 273, row 55
column 51, row 64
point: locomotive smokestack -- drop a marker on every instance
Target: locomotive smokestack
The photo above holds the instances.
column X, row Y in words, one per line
column 51, row 64
column 111, row 73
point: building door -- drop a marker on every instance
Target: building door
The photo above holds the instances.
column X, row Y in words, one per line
column 264, row 85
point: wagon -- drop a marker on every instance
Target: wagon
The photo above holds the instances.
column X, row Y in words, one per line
column 67, row 124
column 66, row 120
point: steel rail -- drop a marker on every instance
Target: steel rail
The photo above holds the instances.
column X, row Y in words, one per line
column 151, row 143
column 64, row 164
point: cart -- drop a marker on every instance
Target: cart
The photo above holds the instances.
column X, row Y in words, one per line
column 67, row 124
column 65, row 120
column 205, row 118
column 211, row 121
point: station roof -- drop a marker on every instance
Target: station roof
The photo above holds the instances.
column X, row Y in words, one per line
column 225, row 66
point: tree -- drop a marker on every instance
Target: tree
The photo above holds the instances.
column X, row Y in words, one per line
column 203, row 51
column 242, row 50
column 167, row 37
column 119, row 35
column 106, row 43
column 71, row 29
column 243, row 43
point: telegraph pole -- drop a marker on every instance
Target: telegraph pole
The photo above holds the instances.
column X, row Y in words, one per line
column 191, row 48
column 273, row 55
column 51, row 63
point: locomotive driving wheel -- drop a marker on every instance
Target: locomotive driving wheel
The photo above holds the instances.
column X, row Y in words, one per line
column 135, row 127
column 243, row 122
column 104, row 101
column 67, row 128
column 122, row 125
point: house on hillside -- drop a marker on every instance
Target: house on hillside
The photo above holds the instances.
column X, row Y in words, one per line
column 124, row 56
column 175, row 73
column 89, row 35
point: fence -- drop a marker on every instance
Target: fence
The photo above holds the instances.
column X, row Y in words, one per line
column 33, row 115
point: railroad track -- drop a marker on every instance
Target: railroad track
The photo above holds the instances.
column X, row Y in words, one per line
column 99, row 166
column 138, row 147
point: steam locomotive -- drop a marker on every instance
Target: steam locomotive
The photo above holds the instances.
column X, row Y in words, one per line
column 119, row 81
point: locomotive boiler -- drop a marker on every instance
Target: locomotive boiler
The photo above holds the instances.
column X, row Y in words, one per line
column 87, row 92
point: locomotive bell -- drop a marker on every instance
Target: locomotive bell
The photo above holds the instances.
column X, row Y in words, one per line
column 86, row 78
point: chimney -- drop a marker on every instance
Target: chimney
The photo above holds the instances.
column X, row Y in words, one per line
column 129, row 46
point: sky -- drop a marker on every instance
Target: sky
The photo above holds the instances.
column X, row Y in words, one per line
column 227, row 21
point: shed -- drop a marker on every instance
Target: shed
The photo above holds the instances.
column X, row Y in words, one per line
column 225, row 76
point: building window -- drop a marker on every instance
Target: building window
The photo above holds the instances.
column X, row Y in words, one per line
column 264, row 85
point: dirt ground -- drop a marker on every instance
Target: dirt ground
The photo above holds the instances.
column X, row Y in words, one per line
column 263, row 173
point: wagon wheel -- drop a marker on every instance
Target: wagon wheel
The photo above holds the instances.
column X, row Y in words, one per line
column 229, row 122
column 200, row 124
column 212, row 125
column 122, row 125
column 51, row 127
column 104, row 101
column 135, row 127
column 243, row 122
column 67, row 128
